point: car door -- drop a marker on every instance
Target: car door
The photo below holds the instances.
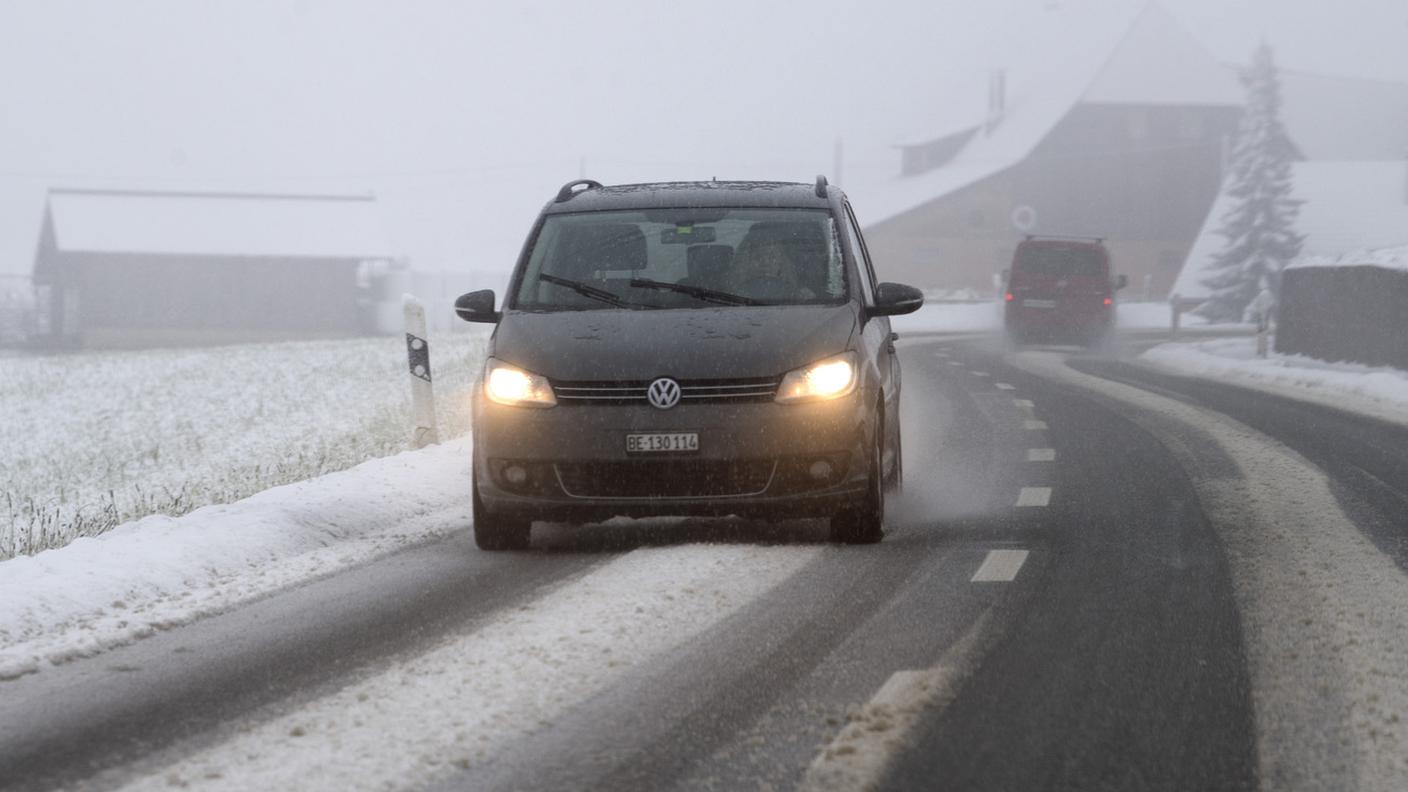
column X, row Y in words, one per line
column 876, row 339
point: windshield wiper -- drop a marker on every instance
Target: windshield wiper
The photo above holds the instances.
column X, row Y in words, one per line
column 591, row 291
column 708, row 295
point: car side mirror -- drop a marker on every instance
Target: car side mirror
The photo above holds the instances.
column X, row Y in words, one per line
column 1121, row 282
column 477, row 306
column 893, row 299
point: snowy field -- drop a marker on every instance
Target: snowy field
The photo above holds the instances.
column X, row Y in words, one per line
column 1377, row 391
column 94, row 440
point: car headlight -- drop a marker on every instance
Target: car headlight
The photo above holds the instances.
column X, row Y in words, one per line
column 825, row 379
column 505, row 384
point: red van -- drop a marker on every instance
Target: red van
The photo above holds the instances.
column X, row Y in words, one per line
column 1060, row 290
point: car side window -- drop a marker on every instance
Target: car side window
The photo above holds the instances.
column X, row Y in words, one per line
column 856, row 247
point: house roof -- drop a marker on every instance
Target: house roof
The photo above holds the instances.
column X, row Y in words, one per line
column 1394, row 258
column 1348, row 206
column 1098, row 55
column 218, row 224
column 1108, row 58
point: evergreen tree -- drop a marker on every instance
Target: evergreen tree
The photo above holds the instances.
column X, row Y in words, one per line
column 1259, row 224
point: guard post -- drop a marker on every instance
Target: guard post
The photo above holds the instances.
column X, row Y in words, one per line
column 423, row 430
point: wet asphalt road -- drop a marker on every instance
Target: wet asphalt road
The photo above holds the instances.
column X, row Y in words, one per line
column 1113, row 657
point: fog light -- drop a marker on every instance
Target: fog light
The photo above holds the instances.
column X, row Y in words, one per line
column 514, row 474
column 821, row 470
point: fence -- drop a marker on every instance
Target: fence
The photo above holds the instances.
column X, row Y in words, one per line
column 1354, row 313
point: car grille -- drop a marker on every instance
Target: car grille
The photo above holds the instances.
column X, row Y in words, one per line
column 693, row 391
column 666, row 478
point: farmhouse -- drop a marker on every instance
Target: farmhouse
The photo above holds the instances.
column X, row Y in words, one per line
column 1120, row 133
column 144, row 268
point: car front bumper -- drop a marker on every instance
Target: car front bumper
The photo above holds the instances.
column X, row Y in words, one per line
column 755, row 459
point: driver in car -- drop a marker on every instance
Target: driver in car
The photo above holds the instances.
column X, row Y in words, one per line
column 767, row 270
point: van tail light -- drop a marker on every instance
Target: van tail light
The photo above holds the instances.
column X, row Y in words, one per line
column 1009, row 297
column 1109, row 301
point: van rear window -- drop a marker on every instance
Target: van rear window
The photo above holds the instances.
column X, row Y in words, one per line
column 1060, row 260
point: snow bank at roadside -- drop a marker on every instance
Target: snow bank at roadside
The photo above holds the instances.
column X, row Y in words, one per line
column 1380, row 392
column 159, row 571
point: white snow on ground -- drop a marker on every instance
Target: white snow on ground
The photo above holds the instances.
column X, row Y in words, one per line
column 455, row 705
column 1380, row 392
column 161, row 571
column 93, row 440
column 986, row 317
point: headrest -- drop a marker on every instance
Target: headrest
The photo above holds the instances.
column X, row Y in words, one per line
column 708, row 262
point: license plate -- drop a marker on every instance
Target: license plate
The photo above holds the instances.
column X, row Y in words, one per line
column 1038, row 303
column 662, row 442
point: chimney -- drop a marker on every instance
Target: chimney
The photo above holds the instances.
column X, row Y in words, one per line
column 997, row 99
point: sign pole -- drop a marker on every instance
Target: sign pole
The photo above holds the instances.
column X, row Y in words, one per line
column 423, row 431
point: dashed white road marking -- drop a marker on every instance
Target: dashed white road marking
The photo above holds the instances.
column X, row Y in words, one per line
column 1034, row 497
column 940, row 354
column 860, row 754
column 955, row 362
column 1033, row 424
column 1005, row 386
column 1001, row 566
column 1027, row 403
column 1041, row 455
column 979, row 373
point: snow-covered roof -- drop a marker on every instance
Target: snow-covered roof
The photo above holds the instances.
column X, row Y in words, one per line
column 1348, row 206
column 1394, row 258
column 218, row 224
column 1099, row 54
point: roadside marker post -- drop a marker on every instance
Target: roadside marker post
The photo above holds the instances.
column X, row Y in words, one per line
column 423, row 429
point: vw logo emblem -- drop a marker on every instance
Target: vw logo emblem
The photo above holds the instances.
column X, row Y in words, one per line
column 664, row 393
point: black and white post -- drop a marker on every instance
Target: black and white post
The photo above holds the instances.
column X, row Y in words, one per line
column 423, row 431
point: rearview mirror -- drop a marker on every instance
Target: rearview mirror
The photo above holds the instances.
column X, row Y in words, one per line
column 477, row 306
column 893, row 299
column 1121, row 282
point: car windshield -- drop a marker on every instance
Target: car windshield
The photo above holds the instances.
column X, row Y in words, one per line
column 683, row 258
column 1060, row 261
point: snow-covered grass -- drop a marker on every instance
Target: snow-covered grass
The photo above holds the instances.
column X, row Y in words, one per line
column 157, row 572
column 1377, row 391
column 90, row 441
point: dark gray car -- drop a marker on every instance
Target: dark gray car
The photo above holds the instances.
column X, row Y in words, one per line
column 703, row 348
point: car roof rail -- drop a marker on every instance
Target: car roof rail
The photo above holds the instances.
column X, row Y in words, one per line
column 570, row 191
column 1096, row 239
column 820, row 186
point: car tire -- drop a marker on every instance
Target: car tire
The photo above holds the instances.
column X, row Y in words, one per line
column 894, row 483
column 495, row 532
column 863, row 522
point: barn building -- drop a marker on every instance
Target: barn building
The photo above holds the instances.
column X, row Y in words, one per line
column 1122, row 135
column 142, row 268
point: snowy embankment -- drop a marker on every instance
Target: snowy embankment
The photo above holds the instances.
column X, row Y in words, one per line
column 986, row 317
column 94, row 440
column 160, row 571
column 1379, row 392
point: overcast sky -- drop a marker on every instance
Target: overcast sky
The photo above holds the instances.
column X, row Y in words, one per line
column 435, row 105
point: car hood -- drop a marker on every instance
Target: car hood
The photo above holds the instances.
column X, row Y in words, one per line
column 700, row 343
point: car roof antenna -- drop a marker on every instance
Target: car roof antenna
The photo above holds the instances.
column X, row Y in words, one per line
column 820, row 186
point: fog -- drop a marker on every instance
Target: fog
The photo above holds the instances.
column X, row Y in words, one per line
column 464, row 117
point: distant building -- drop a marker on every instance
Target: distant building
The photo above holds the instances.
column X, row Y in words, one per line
column 141, row 268
column 1122, row 137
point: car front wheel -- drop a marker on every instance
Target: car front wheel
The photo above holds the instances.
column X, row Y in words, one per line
column 863, row 522
column 497, row 531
